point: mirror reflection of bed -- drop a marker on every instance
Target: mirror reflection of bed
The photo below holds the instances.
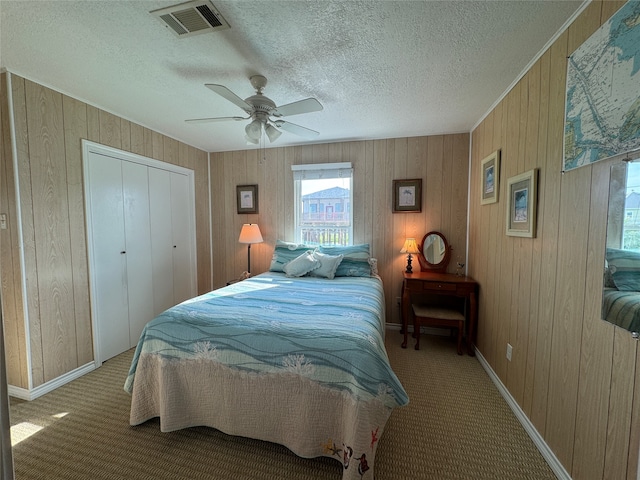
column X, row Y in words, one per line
column 621, row 279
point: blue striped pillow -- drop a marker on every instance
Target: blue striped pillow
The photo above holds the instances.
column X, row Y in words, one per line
column 355, row 261
column 284, row 252
column 624, row 266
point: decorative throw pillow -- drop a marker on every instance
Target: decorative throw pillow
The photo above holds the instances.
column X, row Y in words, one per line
column 608, row 276
column 624, row 266
column 355, row 262
column 373, row 263
column 284, row 252
column 301, row 265
column 328, row 264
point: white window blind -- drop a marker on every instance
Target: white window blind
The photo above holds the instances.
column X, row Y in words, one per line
column 317, row 171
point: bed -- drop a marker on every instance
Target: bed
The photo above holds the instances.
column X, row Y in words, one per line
column 298, row 361
column 621, row 292
column 622, row 308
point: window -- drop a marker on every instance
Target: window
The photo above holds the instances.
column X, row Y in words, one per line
column 323, row 198
column 631, row 226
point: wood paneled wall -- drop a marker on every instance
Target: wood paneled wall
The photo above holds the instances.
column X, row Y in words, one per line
column 14, row 332
column 576, row 377
column 49, row 127
column 441, row 161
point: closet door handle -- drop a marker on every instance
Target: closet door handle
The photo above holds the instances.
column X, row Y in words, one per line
column 122, row 252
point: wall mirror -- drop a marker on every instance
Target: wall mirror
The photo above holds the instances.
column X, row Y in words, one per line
column 435, row 252
column 621, row 283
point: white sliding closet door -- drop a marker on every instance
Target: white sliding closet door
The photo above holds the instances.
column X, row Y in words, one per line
column 135, row 182
column 181, row 226
column 161, row 238
column 141, row 239
column 109, row 255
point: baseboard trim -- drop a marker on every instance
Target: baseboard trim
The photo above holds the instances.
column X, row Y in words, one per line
column 26, row 394
column 539, row 442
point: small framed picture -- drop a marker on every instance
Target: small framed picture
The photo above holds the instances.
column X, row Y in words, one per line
column 521, row 204
column 247, row 198
column 490, row 177
column 407, row 195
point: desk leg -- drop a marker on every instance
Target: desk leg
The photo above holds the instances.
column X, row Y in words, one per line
column 473, row 320
column 405, row 314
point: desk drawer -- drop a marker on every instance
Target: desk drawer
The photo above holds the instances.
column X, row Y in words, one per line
column 439, row 287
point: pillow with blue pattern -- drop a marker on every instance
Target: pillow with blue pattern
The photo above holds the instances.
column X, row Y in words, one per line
column 284, row 252
column 624, row 266
column 355, row 259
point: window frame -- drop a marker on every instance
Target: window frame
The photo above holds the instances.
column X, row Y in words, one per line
column 318, row 171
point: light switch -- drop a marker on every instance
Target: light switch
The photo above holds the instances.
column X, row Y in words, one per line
column 3, row 221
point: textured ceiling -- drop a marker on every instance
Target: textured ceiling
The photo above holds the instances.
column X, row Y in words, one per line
column 381, row 69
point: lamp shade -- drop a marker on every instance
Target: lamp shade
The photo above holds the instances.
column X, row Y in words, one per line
column 254, row 130
column 410, row 246
column 250, row 141
column 250, row 233
column 272, row 132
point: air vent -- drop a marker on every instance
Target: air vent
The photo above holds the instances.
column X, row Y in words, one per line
column 191, row 18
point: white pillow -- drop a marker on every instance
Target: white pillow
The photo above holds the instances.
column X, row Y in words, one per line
column 301, row 265
column 328, row 264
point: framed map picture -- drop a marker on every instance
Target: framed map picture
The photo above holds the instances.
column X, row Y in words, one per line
column 602, row 111
column 522, row 197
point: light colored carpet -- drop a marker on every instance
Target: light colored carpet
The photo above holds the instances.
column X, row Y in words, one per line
column 457, row 426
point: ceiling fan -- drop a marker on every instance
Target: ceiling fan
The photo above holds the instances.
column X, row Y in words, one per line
column 264, row 113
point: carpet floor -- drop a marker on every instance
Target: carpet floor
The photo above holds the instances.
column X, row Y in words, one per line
column 456, row 426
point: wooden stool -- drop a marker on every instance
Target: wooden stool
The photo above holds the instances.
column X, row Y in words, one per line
column 434, row 316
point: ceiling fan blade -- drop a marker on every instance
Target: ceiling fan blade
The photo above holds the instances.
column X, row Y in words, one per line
column 302, row 106
column 215, row 119
column 224, row 92
column 296, row 129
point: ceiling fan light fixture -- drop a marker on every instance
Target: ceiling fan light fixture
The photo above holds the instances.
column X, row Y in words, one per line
column 272, row 132
column 264, row 113
column 254, row 130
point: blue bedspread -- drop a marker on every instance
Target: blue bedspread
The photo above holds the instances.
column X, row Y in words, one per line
column 329, row 331
column 622, row 308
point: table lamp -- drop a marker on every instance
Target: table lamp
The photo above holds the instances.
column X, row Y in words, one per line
column 410, row 246
column 250, row 234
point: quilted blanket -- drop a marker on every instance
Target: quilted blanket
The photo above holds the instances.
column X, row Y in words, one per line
column 296, row 361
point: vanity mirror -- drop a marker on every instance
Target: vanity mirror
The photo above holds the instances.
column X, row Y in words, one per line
column 621, row 283
column 435, row 252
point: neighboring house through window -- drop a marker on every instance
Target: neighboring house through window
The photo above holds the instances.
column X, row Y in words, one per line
column 631, row 226
column 323, row 198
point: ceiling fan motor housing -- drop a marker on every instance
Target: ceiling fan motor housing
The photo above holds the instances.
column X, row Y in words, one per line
column 261, row 103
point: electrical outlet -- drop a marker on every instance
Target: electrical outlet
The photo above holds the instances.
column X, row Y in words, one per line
column 509, row 351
